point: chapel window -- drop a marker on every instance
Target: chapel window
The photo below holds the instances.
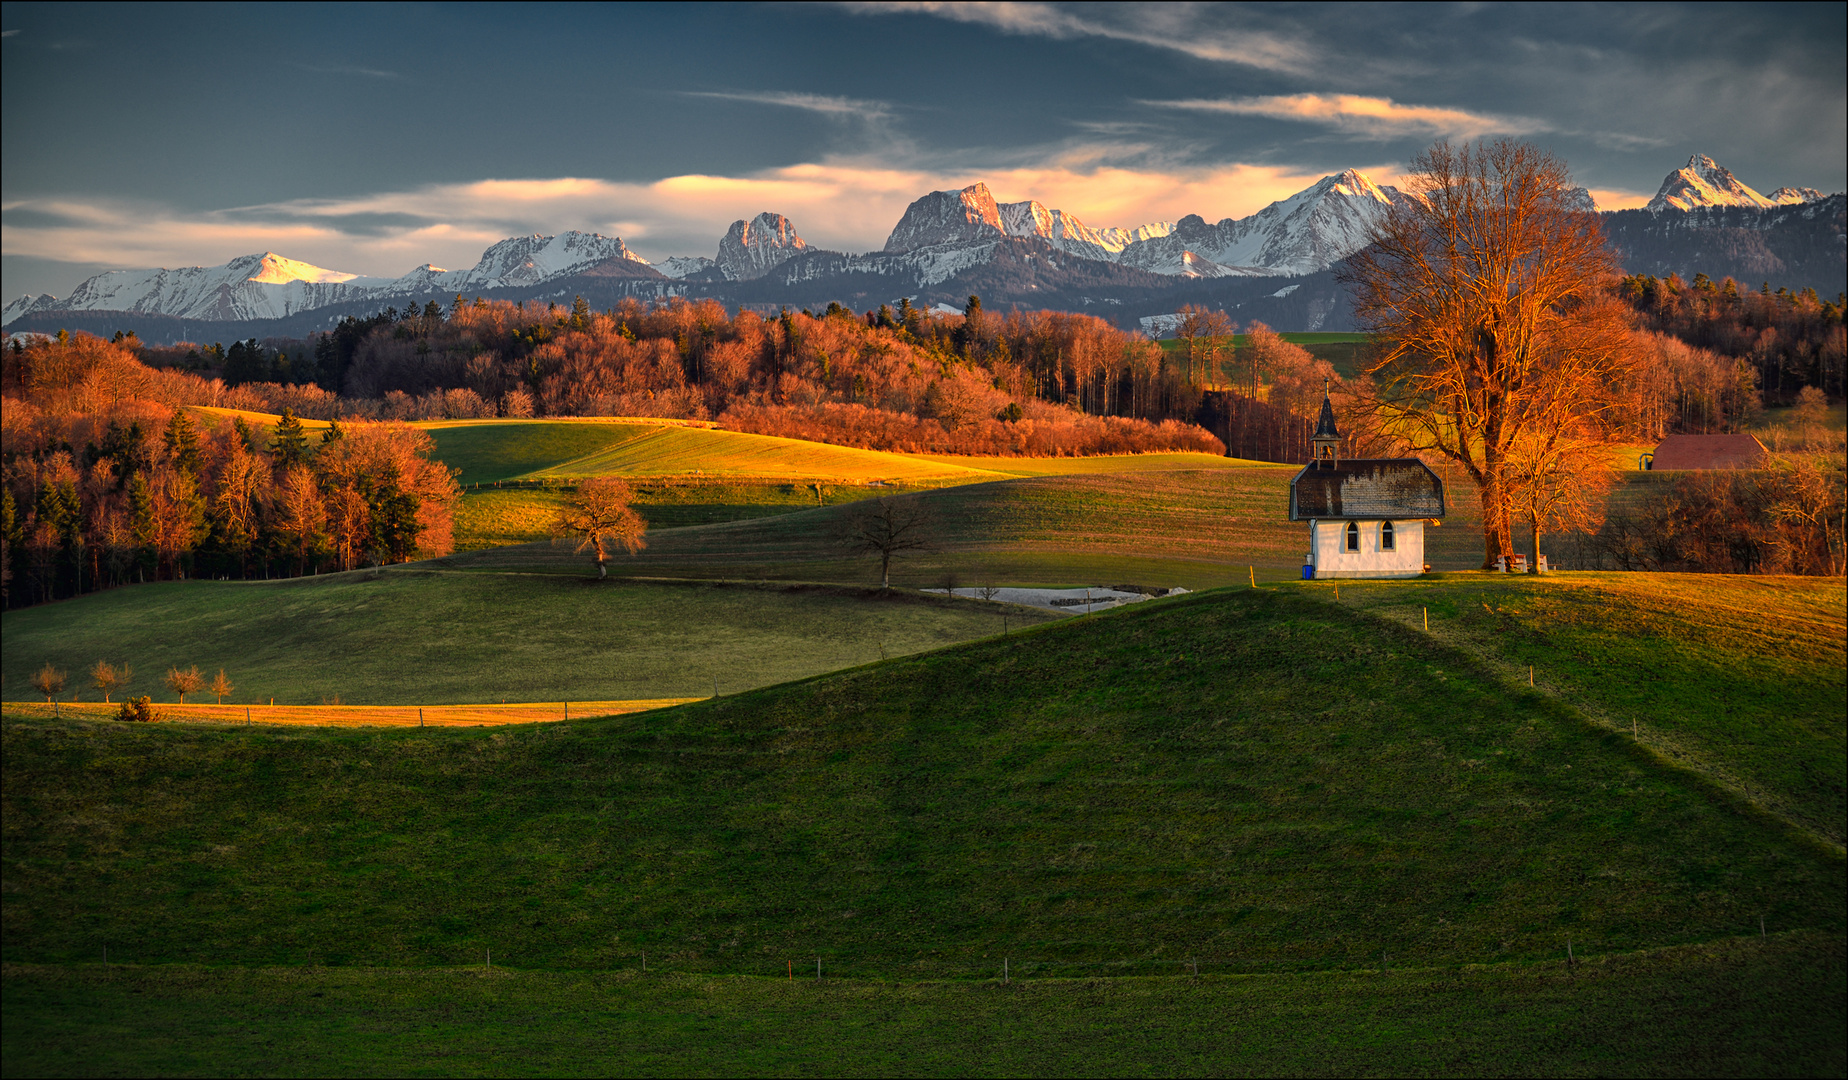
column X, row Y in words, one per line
column 1353, row 537
column 1386, row 540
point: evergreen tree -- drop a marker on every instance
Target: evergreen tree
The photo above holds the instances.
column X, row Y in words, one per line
column 243, row 432
column 182, row 440
column 580, row 314
column 289, row 446
column 332, row 433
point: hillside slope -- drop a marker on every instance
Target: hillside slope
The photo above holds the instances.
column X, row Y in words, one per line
column 1260, row 779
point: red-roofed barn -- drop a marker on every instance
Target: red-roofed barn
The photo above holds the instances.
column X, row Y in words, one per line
column 1707, row 452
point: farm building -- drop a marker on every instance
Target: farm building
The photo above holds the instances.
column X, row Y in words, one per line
column 1707, row 452
column 1366, row 516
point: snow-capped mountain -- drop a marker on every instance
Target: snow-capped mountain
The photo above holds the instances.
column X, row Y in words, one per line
column 269, row 286
column 1796, row 196
column 751, row 249
column 684, row 266
column 265, row 286
column 1309, row 231
column 973, row 216
column 1703, row 182
column 529, row 260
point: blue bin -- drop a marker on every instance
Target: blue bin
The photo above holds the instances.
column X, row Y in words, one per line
column 1308, row 572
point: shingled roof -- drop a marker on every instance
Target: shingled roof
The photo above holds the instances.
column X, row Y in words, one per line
column 1371, row 489
column 1708, row 452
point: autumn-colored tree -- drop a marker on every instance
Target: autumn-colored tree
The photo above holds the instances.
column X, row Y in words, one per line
column 221, row 686
column 599, row 514
column 1558, row 480
column 887, row 528
column 106, row 677
column 184, row 682
column 1484, row 286
column 48, row 681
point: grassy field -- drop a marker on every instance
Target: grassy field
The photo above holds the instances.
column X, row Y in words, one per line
column 1191, row 528
column 1259, row 780
column 420, row 637
column 1739, row 678
column 1735, row 1008
column 485, row 453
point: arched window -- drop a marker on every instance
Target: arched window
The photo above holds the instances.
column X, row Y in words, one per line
column 1386, row 541
column 1353, row 537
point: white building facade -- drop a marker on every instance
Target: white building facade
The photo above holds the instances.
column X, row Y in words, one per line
column 1366, row 516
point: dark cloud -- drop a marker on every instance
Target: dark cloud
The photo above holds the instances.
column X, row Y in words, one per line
column 202, row 108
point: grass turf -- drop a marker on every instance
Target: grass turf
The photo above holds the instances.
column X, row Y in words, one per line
column 1735, row 1008
column 1261, row 780
column 1738, row 677
column 1192, row 528
column 414, row 636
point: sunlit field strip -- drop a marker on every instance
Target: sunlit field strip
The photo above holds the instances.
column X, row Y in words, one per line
column 488, row 715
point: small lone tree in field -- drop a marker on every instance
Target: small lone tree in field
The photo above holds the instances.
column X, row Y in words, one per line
column 599, row 513
column 221, row 687
column 49, row 681
column 988, row 592
column 887, row 528
column 184, row 682
column 105, row 676
column 137, row 710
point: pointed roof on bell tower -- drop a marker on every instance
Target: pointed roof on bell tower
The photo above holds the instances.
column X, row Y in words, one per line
column 1325, row 424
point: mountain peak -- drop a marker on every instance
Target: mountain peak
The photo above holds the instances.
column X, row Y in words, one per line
column 947, row 217
column 273, row 269
column 751, row 249
column 1704, row 182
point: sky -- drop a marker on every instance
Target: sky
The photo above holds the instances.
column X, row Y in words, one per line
column 375, row 138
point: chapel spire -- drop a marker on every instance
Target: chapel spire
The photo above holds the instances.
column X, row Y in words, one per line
column 1326, row 440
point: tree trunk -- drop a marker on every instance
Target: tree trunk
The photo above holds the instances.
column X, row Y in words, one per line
column 603, row 570
column 885, row 570
column 1534, row 567
column 1497, row 534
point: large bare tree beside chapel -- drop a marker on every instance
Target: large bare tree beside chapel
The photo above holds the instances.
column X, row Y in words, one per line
column 1484, row 289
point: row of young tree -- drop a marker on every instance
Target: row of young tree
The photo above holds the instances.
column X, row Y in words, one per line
column 108, row 478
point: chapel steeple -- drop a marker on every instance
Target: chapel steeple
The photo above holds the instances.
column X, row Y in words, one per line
column 1326, row 440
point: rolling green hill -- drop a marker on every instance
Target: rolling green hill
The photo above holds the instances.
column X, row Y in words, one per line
column 505, row 450
column 410, row 636
column 1192, row 528
column 1262, row 780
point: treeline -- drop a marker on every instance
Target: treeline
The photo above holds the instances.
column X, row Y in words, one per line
column 107, row 479
column 945, row 379
column 1790, row 340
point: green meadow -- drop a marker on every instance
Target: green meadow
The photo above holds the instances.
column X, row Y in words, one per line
column 413, row 636
column 1744, row 1007
column 1266, row 783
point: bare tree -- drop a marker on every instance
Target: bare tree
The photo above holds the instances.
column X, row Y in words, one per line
column 1558, row 480
column 106, row 677
column 888, row 527
column 600, row 514
column 48, row 681
column 1483, row 287
column 184, row 682
column 221, row 687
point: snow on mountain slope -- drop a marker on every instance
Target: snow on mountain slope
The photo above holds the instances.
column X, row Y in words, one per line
column 1309, row 231
column 1795, row 196
column 948, row 217
column 1703, row 182
column 269, row 286
column 751, row 249
column 683, row 266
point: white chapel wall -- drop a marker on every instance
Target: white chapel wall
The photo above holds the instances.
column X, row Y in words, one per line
column 1326, row 541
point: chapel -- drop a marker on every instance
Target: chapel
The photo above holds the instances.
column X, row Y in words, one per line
column 1367, row 516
